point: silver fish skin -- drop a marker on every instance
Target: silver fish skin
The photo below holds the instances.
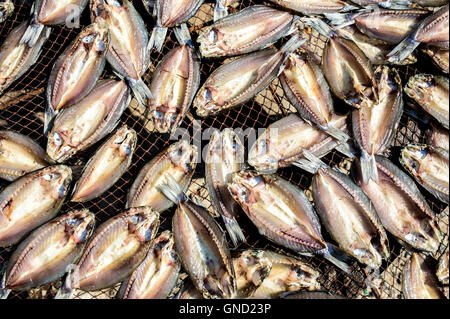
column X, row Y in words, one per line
column 19, row 155
column 31, row 201
column 44, row 255
column 85, row 123
column 251, row 268
column 116, row 249
column 238, row 81
column 286, row 274
column 430, row 168
column 106, row 167
column 201, row 245
column 157, row 275
column 374, row 128
column 174, row 84
column 177, row 161
column 251, row 29
column 225, row 156
column 6, row 9
column 306, row 88
column 54, row 12
column 431, row 92
column 127, row 54
column 442, row 271
column 77, row 70
column 400, row 206
column 349, row 217
column 439, row 56
column 282, row 143
column 16, row 58
column 427, row 3
column 418, row 280
column 314, row 6
column 437, row 136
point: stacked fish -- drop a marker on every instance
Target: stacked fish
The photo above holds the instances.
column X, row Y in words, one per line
column 368, row 41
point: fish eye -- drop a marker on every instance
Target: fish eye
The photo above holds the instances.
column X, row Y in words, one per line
column 212, row 36
column 127, row 149
column 49, row 176
column 158, row 115
column 88, row 39
column 57, row 139
column 207, row 95
column 116, row 3
column 101, row 46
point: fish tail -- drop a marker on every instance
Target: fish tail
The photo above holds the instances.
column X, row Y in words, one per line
column 402, row 50
column 293, row 44
column 67, row 289
column 338, row 134
column 219, row 11
column 157, row 39
column 337, row 257
column 140, row 90
column 4, row 292
column 172, row 190
column 310, row 162
column 346, row 149
column 183, row 35
column 234, row 230
column 319, row 25
column 49, row 117
column 369, row 169
column 32, row 33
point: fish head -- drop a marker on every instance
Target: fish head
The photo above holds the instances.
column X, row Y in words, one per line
column 368, row 257
column 80, row 225
column 56, row 180
column 205, row 101
column 211, row 41
column 59, row 148
column 183, row 155
column 144, row 223
column 413, row 155
column 244, row 186
column 264, row 155
column 164, row 246
column 418, row 86
column 101, row 38
column 125, row 141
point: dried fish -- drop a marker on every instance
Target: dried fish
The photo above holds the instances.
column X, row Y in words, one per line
column 240, row 80
column 283, row 142
column 157, row 275
column 201, row 245
column 178, row 161
column 19, row 155
column 374, row 128
column 17, row 58
column 311, row 295
column 171, row 13
column 430, row 168
column 282, row 213
column 11, row 98
column 400, row 206
column 108, row 164
column 31, row 201
column 127, row 54
column 437, row 136
column 44, row 255
column 221, row 8
column 224, row 156
column 307, row 90
column 117, row 248
column 188, row 291
column 431, row 92
column 85, row 123
column 314, row 6
column 6, row 9
column 419, row 281
column 440, row 57
column 174, row 84
column 286, row 274
column 77, row 70
column 442, row 271
column 252, row 29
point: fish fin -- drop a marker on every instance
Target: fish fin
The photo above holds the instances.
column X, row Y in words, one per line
column 319, row 25
column 338, row 134
column 157, row 39
column 316, row 163
column 337, row 257
column 4, row 292
column 305, row 165
column 183, row 35
column 172, row 190
column 346, row 149
column 402, row 50
column 293, row 44
column 369, row 169
column 234, row 230
column 67, row 289
column 32, row 33
column 220, row 11
column 49, row 117
column 339, row 20
column 141, row 91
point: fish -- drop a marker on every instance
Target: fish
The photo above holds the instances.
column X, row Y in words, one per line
column 282, row 143
column 224, row 156
column 188, row 291
column 251, row 29
column 6, row 9
column 44, row 255
column 19, row 155
column 170, row 14
column 440, row 57
column 432, row 30
column 307, row 90
column 201, row 245
column 431, row 93
column 418, row 279
column 286, row 274
column 423, row 3
column 11, row 98
column 157, row 275
column 309, row 7
column 430, row 168
column 221, row 8
column 87, row 122
column 106, row 167
column 174, row 84
column 179, row 161
column 437, row 136
column 127, row 53
column 349, row 216
column 310, row 295
column 251, row 268
column 401, row 207
column 17, row 58
column 116, row 249
column 236, row 82
column 282, row 213
column 31, row 201
column 442, row 271
column 374, row 128
column 77, row 70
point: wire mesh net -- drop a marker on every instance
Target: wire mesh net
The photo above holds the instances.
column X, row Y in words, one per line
column 25, row 117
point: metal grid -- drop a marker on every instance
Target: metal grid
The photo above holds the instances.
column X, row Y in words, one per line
column 266, row 108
